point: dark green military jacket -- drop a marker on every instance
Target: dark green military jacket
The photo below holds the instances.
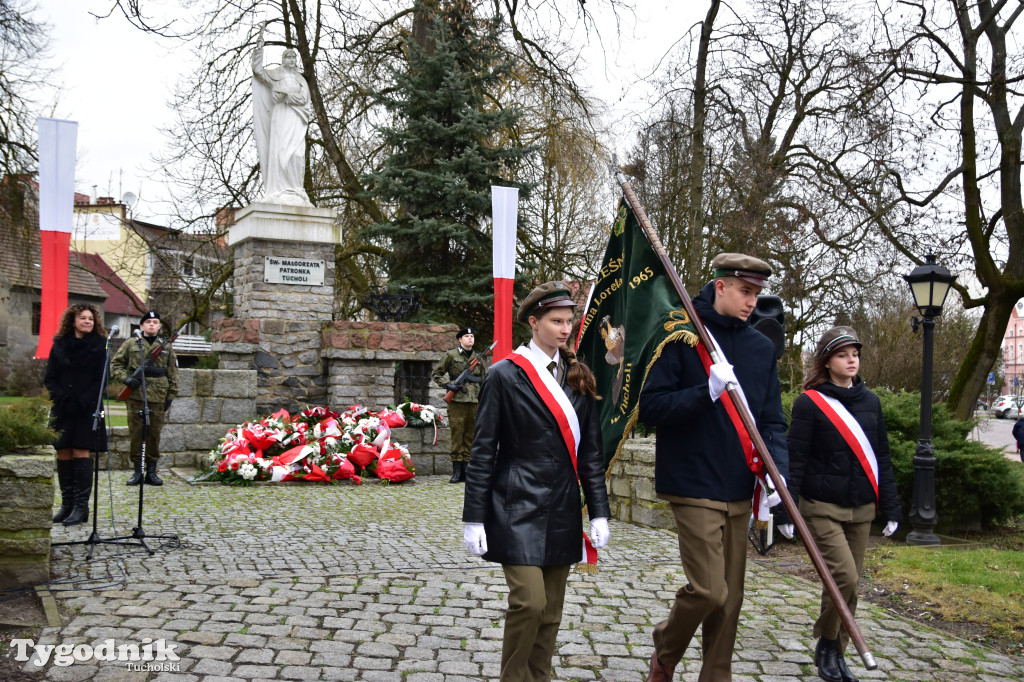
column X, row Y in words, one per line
column 127, row 360
column 453, row 363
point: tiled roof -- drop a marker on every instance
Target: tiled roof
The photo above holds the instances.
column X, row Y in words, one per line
column 120, row 299
column 20, row 250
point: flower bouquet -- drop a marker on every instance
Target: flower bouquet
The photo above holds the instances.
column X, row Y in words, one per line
column 320, row 445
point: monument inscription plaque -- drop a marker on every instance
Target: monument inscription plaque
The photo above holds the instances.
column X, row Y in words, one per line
column 293, row 271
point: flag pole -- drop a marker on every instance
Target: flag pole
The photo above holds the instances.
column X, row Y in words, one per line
column 755, row 436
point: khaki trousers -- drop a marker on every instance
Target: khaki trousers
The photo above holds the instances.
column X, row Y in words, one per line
column 713, row 549
column 462, row 422
column 535, row 598
column 841, row 534
column 156, row 424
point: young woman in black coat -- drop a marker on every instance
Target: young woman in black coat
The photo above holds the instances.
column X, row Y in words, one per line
column 522, row 502
column 74, row 374
column 841, row 482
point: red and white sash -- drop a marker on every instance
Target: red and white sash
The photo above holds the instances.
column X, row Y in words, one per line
column 557, row 402
column 850, row 429
column 759, row 501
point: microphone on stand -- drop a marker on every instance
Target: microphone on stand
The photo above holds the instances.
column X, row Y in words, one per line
column 138, row 333
column 114, row 331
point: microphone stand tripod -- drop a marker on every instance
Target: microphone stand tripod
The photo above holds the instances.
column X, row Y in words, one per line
column 139, row 533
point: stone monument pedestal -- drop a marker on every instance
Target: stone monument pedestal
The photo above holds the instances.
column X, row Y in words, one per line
column 284, row 296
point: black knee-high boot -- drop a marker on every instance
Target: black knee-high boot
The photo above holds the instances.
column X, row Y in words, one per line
column 83, row 490
column 66, row 481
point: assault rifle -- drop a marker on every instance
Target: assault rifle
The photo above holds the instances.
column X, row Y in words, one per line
column 147, row 361
column 461, row 380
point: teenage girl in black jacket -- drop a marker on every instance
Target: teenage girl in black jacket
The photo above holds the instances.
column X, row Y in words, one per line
column 840, row 492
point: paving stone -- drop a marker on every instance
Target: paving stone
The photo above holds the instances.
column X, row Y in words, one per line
column 369, row 597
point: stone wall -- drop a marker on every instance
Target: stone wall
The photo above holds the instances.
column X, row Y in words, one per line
column 631, row 487
column 209, row 402
column 26, row 506
column 429, row 458
column 285, row 355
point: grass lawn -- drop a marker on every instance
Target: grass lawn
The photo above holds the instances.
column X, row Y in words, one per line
column 980, row 586
column 116, row 416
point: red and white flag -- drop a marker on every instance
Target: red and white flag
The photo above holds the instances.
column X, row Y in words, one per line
column 57, row 140
column 504, row 212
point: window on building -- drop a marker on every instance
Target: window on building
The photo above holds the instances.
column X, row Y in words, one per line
column 37, row 316
column 412, row 381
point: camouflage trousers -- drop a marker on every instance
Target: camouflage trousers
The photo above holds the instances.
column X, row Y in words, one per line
column 156, row 424
column 461, row 421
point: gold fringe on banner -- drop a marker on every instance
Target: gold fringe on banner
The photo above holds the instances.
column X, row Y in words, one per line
column 584, row 567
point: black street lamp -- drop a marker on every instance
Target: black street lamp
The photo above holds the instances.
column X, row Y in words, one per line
column 929, row 283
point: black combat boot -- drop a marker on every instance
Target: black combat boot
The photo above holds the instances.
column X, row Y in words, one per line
column 136, row 478
column 83, row 490
column 457, row 468
column 462, row 472
column 844, row 670
column 826, row 656
column 151, row 477
column 66, row 480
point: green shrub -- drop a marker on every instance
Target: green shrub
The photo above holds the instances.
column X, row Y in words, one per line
column 974, row 483
column 24, row 425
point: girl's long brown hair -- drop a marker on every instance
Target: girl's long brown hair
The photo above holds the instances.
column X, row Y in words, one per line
column 67, row 320
column 578, row 375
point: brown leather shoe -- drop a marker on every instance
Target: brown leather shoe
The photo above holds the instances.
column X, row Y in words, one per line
column 659, row 672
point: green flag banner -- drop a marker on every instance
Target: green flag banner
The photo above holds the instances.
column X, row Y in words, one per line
column 632, row 313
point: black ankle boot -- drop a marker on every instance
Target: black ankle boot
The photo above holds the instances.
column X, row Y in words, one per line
column 456, row 472
column 66, row 480
column 83, row 490
column 151, row 477
column 462, row 472
column 826, row 657
column 844, row 670
column 136, row 478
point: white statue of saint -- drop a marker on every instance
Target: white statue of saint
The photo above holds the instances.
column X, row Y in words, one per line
column 281, row 114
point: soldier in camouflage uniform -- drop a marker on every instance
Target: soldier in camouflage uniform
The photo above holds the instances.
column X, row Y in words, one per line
column 161, row 389
column 462, row 408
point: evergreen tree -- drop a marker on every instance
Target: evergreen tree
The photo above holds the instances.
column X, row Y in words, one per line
column 450, row 144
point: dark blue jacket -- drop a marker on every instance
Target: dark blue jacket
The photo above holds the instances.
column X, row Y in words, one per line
column 823, row 468
column 698, row 452
column 1018, row 433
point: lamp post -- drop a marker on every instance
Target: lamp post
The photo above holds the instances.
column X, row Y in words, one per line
column 929, row 284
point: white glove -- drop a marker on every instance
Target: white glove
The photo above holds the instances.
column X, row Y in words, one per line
column 599, row 532
column 786, row 530
column 774, row 499
column 890, row 528
column 720, row 374
column 475, row 538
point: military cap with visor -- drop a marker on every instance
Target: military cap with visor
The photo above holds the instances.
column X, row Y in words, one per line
column 747, row 268
column 547, row 295
column 836, row 338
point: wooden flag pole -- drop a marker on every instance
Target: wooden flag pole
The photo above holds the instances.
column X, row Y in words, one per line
column 748, row 421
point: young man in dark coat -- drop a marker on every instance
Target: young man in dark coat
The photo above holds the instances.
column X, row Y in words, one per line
column 701, row 467
column 537, row 443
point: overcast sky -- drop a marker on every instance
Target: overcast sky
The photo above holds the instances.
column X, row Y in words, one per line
column 116, row 82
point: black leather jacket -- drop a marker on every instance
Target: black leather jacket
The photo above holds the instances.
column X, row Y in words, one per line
column 520, row 482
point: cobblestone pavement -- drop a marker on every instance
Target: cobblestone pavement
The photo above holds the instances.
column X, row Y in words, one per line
column 305, row 582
